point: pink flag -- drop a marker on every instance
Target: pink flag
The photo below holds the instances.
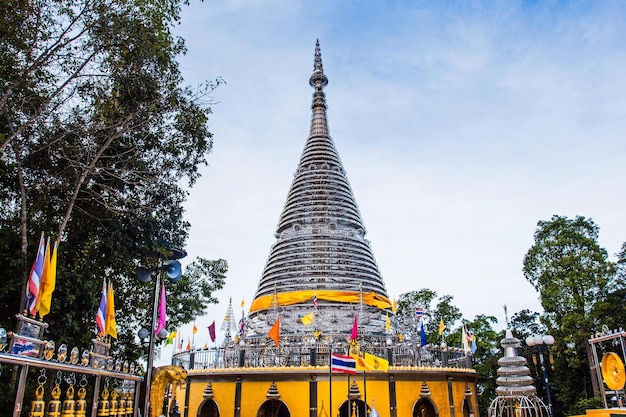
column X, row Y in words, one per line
column 212, row 331
column 162, row 316
column 34, row 280
column 355, row 330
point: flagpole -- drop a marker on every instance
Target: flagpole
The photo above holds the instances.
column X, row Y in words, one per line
column 349, row 399
column 365, row 391
column 151, row 348
column 330, row 382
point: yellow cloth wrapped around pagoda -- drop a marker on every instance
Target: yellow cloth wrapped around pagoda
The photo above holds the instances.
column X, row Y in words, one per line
column 298, row 297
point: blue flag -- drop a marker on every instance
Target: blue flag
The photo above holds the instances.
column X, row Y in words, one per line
column 423, row 341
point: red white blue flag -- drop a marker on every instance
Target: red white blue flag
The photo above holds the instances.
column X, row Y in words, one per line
column 341, row 363
column 102, row 311
column 34, row 280
column 419, row 313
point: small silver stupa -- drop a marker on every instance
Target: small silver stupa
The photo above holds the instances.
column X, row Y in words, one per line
column 517, row 397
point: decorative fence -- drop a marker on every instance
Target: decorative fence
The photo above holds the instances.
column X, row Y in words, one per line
column 63, row 379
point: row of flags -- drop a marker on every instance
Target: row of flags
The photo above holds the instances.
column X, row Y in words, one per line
column 42, row 283
column 42, row 279
column 105, row 316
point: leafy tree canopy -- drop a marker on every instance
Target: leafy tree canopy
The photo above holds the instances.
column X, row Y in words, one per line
column 100, row 141
column 579, row 292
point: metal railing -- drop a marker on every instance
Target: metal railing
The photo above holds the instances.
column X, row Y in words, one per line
column 302, row 355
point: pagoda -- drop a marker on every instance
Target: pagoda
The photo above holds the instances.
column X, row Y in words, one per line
column 321, row 262
column 321, row 294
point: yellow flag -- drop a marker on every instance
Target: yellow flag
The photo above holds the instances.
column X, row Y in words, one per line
column 394, row 307
column 387, row 323
column 242, row 303
column 111, row 325
column 307, row 319
column 376, row 363
column 48, row 282
column 442, row 327
column 361, row 364
column 195, row 329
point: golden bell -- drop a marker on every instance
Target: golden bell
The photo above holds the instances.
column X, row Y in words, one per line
column 54, row 405
column 113, row 404
column 103, row 404
column 121, row 405
column 129, row 403
column 38, row 405
column 69, row 405
column 80, row 408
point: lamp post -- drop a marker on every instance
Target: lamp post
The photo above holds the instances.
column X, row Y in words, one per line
column 540, row 344
column 172, row 269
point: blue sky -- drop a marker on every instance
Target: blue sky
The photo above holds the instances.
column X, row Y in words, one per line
column 460, row 124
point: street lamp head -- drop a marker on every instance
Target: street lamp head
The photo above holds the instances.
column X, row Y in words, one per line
column 538, row 339
column 143, row 333
column 548, row 339
column 144, row 274
column 530, row 341
column 162, row 334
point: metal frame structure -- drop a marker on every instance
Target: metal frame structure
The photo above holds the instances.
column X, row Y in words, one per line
column 600, row 343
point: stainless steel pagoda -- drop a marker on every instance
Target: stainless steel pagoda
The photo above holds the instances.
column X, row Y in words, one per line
column 321, row 267
column 517, row 397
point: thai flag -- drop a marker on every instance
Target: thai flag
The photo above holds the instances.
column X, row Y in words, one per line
column 345, row 364
column 419, row 313
column 34, row 280
column 101, row 314
column 315, row 301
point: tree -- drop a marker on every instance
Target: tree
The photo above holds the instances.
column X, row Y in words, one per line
column 577, row 286
column 432, row 315
column 100, row 142
column 486, row 357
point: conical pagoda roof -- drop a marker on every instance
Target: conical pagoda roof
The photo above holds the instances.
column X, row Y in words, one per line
column 321, row 251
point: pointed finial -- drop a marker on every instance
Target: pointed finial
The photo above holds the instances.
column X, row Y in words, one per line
column 318, row 80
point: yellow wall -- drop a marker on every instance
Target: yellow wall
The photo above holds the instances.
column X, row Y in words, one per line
column 293, row 388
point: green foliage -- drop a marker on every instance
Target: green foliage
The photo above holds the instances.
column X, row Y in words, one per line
column 424, row 299
column 101, row 142
column 579, row 291
column 585, row 404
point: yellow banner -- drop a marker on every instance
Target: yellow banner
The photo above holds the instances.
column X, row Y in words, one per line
column 376, row 363
column 299, row 297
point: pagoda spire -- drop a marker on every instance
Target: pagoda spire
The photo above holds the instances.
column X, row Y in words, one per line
column 318, row 80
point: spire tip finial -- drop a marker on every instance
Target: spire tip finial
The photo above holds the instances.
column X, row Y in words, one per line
column 318, row 80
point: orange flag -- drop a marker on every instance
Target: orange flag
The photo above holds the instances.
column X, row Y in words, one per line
column 274, row 332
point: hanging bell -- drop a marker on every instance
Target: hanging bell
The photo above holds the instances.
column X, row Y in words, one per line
column 38, row 405
column 121, row 405
column 54, row 405
column 129, row 403
column 103, row 404
column 69, row 405
column 80, row 408
column 113, row 404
